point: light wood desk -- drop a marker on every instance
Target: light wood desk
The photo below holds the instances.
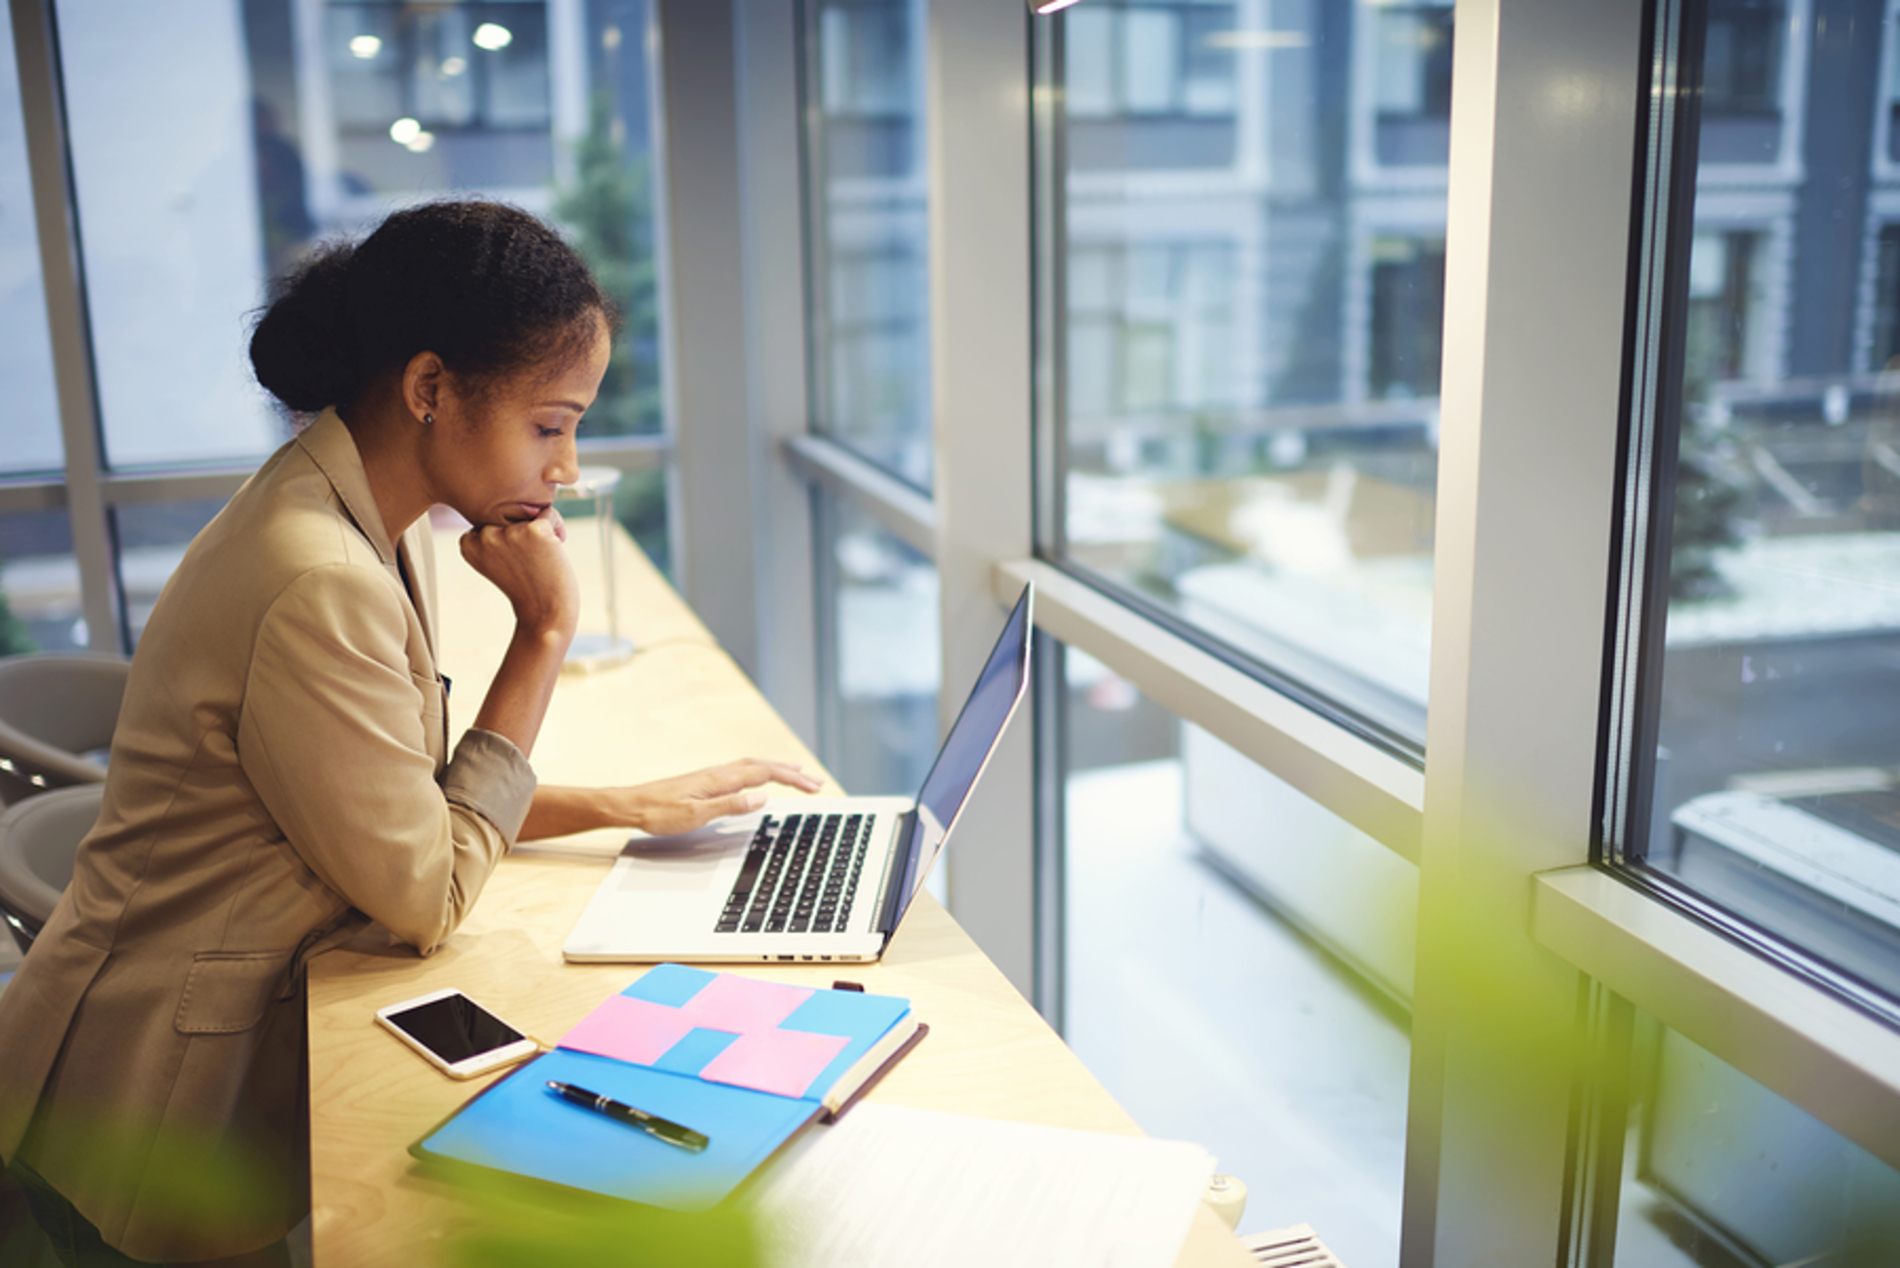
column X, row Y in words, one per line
column 679, row 705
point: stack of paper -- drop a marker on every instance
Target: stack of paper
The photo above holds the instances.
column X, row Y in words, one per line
column 889, row 1187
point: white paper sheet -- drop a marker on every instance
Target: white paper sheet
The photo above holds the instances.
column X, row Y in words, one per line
column 890, row 1187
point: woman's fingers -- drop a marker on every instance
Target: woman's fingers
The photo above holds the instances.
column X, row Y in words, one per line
column 527, row 563
column 758, row 770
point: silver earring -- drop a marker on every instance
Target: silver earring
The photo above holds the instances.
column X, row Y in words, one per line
column 428, row 420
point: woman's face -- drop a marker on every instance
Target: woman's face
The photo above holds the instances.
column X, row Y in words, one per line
column 499, row 456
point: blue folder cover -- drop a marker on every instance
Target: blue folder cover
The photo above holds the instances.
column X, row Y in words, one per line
column 517, row 1125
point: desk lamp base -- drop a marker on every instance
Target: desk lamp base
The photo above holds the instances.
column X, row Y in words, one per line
column 589, row 653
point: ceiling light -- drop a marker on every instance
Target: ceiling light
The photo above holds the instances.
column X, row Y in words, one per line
column 493, row 36
column 452, row 66
column 403, row 131
column 1239, row 40
column 366, row 46
column 420, row 142
column 1041, row 7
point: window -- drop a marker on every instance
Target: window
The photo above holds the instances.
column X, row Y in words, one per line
column 1248, row 351
column 1742, row 81
column 1719, row 1171
column 868, row 235
column 210, row 146
column 1759, row 775
column 878, row 730
column 1237, row 963
column 1413, row 84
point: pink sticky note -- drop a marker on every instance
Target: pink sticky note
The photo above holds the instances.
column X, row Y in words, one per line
column 741, row 1005
column 781, row 1061
column 635, row 1030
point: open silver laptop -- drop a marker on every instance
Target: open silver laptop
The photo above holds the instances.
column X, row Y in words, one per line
column 807, row 878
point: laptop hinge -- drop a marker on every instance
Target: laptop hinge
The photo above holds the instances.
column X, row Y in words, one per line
column 890, row 902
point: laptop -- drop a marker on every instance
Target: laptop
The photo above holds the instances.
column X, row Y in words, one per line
column 806, row 878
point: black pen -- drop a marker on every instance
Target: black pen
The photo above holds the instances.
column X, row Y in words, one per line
column 653, row 1125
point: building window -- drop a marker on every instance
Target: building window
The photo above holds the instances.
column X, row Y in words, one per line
column 1249, row 354
column 1759, row 773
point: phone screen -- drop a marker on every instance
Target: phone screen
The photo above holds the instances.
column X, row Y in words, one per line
column 455, row 1028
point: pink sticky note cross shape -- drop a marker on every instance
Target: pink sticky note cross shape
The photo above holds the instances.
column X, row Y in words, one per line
column 741, row 1005
column 628, row 1029
column 781, row 1061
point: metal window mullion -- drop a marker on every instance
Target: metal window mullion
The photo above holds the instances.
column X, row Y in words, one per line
column 1541, row 195
column 1375, row 792
column 62, row 272
column 896, row 506
column 24, row 497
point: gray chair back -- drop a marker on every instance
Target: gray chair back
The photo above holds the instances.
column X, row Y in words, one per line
column 57, row 710
column 39, row 838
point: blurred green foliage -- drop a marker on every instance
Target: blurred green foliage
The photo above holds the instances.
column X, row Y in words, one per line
column 13, row 636
column 517, row 1225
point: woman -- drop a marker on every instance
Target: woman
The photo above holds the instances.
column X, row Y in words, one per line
column 280, row 775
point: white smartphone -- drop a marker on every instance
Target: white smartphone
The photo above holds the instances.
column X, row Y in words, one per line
column 455, row 1034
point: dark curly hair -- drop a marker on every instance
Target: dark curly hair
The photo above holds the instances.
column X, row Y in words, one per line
column 485, row 286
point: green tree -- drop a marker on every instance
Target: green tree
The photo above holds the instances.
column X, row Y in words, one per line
column 608, row 211
column 13, row 636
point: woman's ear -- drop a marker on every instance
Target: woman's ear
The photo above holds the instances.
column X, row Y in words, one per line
column 422, row 384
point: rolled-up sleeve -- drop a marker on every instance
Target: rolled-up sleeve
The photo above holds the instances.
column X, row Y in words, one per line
column 334, row 739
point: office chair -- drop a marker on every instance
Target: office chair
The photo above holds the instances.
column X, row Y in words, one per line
column 39, row 838
column 57, row 713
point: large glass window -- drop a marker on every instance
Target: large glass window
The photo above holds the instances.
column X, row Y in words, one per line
column 40, row 608
column 1719, row 1172
column 1237, row 963
column 883, row 658
column 1761, row 763
column 1244, row 307
column 213, row 142
column 867, row 235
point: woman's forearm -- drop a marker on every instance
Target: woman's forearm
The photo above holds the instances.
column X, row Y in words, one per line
column 558, row 811
column 517, row 700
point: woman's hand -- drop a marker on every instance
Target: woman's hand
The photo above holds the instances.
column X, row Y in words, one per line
column 692, row 801
column 666, row 806
column 528, row 563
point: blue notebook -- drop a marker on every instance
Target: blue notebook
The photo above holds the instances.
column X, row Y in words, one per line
column 688, row 1041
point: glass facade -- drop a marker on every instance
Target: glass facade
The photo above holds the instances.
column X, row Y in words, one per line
column 882, row 657
column 39, row 585
column 867, row 232
column 1772, row 615
column 1247, row 269
column 1199, row 984
column 1718, row 1171
column 212, row 142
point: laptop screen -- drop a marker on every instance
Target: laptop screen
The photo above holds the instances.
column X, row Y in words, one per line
column 972, row 738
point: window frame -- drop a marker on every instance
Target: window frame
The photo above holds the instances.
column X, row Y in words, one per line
column 87, row 488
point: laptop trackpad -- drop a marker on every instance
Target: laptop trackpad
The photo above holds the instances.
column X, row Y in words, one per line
column 689, row 861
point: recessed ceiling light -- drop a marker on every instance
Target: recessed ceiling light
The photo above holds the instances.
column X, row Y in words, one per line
column 493, row 36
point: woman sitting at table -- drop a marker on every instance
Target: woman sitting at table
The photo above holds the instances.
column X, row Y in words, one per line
column 280, row 775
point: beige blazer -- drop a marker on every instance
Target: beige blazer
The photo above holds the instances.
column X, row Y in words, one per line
column 278, row 779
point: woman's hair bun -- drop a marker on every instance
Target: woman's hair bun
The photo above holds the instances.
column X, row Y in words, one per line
column 303, row 349
column 486, row 287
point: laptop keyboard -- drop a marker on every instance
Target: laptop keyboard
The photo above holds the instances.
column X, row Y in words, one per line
column 799, row 876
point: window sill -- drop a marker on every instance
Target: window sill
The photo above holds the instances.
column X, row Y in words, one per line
column 1826, row 1056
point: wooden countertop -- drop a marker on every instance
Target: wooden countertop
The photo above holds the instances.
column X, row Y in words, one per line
column 680, row 704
